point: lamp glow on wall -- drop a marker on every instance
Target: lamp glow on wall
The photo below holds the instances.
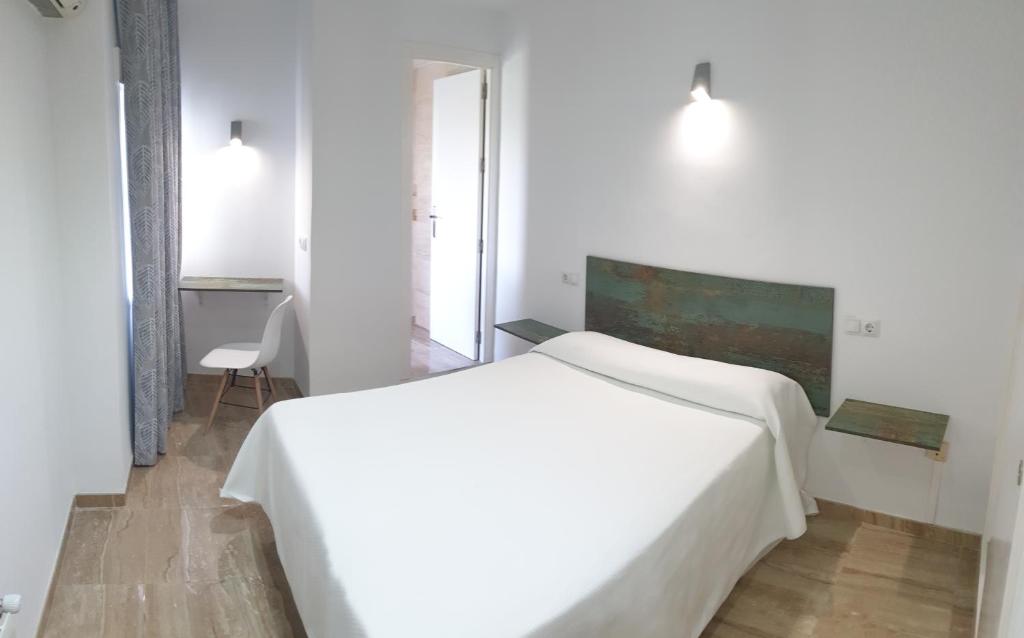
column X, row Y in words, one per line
column 706, row 123
column 237, row 162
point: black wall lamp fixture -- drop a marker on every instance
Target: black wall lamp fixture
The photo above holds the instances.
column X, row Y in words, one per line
column 700, row 90
column 236, row 133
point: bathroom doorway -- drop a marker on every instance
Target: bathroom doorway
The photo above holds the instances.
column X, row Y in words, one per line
column 449, row 201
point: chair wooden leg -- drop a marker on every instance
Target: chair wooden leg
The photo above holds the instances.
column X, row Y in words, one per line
column 216, row 400
column 270, row 382
column 256, row 386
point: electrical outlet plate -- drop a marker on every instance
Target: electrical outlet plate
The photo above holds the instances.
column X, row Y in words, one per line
column 872, row 328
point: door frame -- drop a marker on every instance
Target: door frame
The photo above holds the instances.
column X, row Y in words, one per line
column 1005, row 617
column 490, row 64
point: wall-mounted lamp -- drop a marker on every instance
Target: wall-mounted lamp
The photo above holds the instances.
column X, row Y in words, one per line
column 700, row 90
column 236, row 133
column 705, row 124
column 237, row 163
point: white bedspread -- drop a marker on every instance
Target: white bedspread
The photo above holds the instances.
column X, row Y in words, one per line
column 532, row 497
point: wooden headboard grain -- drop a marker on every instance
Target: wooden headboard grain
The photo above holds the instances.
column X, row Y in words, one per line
column 779, row 327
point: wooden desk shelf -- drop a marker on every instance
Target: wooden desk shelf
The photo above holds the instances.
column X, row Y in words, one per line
column 231, row 284
column 925, row 430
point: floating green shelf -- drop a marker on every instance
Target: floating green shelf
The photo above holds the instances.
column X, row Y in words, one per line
column 925, row 430
column 531, row 330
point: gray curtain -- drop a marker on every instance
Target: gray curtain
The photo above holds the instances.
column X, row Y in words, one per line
column 148, row 37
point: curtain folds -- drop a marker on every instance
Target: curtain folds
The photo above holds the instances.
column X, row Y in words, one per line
column 148, row 36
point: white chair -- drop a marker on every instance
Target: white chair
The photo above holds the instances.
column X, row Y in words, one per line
column 233, row 357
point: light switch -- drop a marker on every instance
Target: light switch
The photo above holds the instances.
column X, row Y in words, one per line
column 571, row 278
column 853, row 326
column 304, row 243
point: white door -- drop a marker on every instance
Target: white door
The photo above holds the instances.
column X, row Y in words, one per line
column 456, row 200
column 1001, row 612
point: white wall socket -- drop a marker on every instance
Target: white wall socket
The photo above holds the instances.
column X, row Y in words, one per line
column 571, row 278
column 854, row 326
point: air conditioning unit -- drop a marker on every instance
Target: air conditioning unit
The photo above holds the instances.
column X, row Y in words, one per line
column 58, row 8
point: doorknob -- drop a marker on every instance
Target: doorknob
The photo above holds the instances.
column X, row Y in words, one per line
column 433, row 225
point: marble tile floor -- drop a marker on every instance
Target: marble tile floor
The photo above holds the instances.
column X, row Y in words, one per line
column 178, row 560
column 847, row 578
column 427, row 357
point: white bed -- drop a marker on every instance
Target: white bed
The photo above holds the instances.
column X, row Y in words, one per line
column 589, row 488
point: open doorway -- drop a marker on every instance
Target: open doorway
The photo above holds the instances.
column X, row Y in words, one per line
column 449, row 175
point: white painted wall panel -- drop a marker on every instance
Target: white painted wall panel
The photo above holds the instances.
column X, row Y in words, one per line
column 873, row 147
column 33, row 456
column 360, row 263
column 82, row 71
column 238, row 62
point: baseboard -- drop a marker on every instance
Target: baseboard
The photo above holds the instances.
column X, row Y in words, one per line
column 957, row 538
column 41, row 628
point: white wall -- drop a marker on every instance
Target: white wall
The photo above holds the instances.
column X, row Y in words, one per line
column 63, row 323
column 875, row 147
column 238, row 62
column 303, row 188
column 83, row 72
column 34, row 451
column 513, row 192
column 360, row 269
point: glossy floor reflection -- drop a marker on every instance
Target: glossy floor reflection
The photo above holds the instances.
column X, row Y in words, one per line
column 851, row 579
column 177, row 560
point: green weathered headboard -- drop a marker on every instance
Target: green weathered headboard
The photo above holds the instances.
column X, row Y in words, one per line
column 779, row 327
